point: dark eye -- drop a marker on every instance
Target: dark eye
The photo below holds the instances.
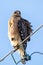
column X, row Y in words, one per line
column 15, row 12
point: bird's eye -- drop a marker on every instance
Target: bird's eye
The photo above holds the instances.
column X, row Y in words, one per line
column 15, row 12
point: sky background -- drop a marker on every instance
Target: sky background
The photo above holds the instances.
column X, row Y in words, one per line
column 31, row 10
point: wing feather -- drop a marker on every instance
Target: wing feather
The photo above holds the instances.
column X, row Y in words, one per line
column 24, row 28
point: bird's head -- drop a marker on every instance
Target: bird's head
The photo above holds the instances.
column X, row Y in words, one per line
column 17, row 13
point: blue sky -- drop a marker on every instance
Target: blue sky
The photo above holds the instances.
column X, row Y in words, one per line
column 32, row 10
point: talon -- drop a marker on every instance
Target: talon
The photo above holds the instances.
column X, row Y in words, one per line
column 23, row 61
column 26, row 57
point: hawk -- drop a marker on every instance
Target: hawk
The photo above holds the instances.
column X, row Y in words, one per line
column 18, row 29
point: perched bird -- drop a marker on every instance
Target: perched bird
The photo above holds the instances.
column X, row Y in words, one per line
column 18, row 29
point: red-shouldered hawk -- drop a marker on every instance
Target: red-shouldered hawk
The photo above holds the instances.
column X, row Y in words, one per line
column 18, row 29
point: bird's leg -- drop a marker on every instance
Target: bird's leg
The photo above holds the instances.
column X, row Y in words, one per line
column 26, row 56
